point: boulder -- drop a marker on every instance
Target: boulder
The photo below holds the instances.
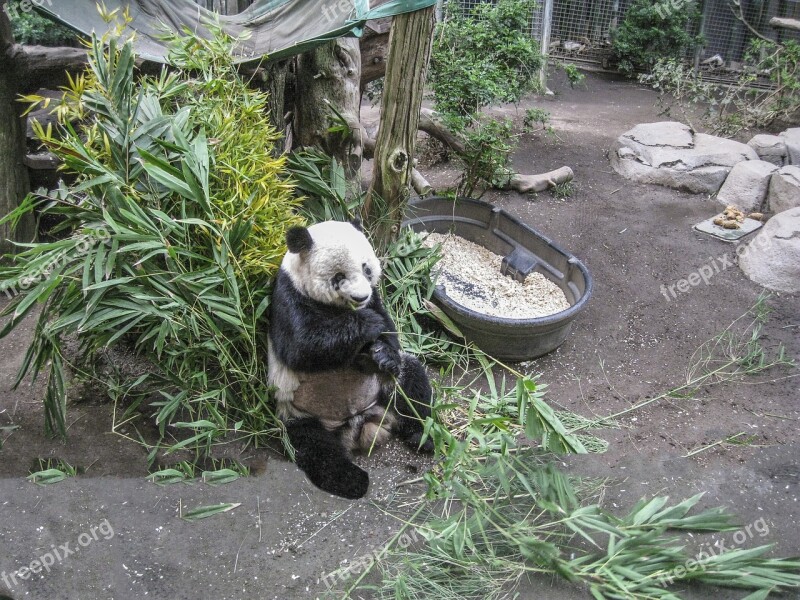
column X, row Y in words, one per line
column 792, row 139
column 771, row 148
column 671, row 154
column 784, row 189
column 747, row 185
column 772, row 258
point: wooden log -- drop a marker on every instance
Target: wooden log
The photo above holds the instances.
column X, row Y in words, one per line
column 431, row 123
column 41, row 66
column 781, row 23
column 525, row 184
column 406, row 69
column 419, row 183
column 374, row 50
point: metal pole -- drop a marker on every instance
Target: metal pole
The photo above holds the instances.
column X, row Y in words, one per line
column 547, row 28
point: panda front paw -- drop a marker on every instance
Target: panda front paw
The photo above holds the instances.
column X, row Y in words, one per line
column 372, row 324
column 386, row 357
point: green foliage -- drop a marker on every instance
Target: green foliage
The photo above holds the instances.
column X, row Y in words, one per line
column 654, row 30
column 167, row 242
column 407, row 287
column 574, row 76
column 534, row 116
column 374, row 91
column 498, row 509
column 47, row 471
column 29, row 27
column 561, row 191
column 480, row 58
column 484, row 57
column 728, row 109
column 323, row 181
column 488, row 145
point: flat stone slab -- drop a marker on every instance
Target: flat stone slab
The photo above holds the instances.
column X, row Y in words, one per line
column 669, row 153
column 784, row 189
column 728, row 235
column 772, row 258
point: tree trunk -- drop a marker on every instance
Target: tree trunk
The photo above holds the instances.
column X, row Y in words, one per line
column 407, row 66
column 14, row 181
column 275, row 82
column 328, row 78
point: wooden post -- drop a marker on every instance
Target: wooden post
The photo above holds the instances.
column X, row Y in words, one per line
column 14, row 182
column 407, row 65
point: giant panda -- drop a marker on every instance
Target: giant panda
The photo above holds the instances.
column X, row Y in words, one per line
column 334, row 357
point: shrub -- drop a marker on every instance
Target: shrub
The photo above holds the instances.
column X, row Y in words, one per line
column 728, row 109
column 480, row 58
column 483, row 57
column 652, row 31
column 169, row 238
column 29, row 27
column 488, row 145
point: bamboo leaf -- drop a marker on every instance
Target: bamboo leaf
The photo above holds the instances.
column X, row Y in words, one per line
column 203, row 512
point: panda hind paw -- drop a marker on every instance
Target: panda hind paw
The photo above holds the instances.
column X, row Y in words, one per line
column 346, row 480
column 414, row 440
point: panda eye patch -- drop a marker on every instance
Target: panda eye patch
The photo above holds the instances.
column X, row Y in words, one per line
column 367, row 270
column 337, row 279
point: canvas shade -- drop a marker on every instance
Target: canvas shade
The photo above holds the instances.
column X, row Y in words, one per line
column 275, row 28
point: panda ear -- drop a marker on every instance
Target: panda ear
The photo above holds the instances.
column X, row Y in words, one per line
column 298, row 240
column 356, row 222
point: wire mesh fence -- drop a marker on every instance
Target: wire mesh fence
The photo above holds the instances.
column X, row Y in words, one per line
column 581, row 31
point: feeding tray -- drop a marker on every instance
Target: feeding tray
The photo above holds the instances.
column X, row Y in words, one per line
column 729, row 235
column 524, row 251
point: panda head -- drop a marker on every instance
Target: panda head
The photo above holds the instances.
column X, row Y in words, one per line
column 333, row 263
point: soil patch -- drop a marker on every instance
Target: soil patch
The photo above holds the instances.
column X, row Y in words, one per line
column 633, row 341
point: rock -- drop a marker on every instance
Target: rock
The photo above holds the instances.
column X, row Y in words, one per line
column 771, row 148
column 784, row 189
column 792, row 139
column 772, row 259
column 671, row 154
column 747, row 185
column 664, row 133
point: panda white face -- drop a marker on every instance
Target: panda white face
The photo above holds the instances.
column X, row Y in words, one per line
column 333, row 263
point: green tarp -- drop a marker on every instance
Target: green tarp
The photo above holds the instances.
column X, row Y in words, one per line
column 276, row 28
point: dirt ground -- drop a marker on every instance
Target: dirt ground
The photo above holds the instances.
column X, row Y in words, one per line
column 631, row 343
